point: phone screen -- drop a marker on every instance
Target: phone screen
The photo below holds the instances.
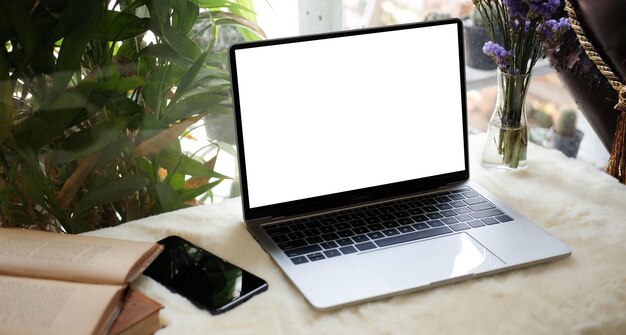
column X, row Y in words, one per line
column 208, row 281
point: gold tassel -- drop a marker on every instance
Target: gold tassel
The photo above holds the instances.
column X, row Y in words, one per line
column 617, row 161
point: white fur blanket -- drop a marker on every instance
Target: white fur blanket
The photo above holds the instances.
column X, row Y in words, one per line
column 582, row 294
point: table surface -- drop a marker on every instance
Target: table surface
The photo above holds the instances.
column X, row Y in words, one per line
column 582, row 294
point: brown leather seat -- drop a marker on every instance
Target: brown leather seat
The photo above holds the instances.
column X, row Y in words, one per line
column 604, row 22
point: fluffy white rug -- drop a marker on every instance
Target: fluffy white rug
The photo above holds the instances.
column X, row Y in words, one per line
column 582, row 294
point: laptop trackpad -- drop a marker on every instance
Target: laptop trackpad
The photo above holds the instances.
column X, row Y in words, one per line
column 430, row 261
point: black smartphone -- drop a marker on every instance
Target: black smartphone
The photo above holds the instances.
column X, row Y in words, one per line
column 208, row 281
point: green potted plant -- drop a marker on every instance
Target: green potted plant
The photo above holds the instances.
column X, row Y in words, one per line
column 565, row 137
column 95, row 96
column 475, row 37
column 540, row 122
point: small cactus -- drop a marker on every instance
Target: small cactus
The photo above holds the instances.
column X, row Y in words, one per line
column 478, row 19
column 566, row 123
column 541, row 118
column 433, row 16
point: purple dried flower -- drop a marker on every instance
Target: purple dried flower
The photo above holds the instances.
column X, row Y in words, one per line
column 499, row 54
column 550, row 30
column 545, row 8
column 516, row 8
column 516, row 24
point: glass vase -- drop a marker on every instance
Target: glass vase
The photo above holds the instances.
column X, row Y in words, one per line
column 507, row 136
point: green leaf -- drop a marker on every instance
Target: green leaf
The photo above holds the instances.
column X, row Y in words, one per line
column 192, row 105
column 6, row 99
column 43, row 127
column 252, row 31
column 179, row 41
column 119, row 26
column 160, row 13
column 196, row 192
column 185, row 15
column 74, row 44
column 165, row 52
column 181, row 163
column 88, row 141
column 188, row 78
column 111, row 192
column 33, row 182
column 168, row 198
column 219, row 4
column 121, row 85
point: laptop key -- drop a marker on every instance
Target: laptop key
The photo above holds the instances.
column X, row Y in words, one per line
column 314, row 239
column 486, row 213
column 474, row 201
column 443, row 206
column 303, row 250
column 343, row 226
column 327, row 229
column 296, row 235
column 459, row 226
column 360, row 230
column 430, row 209
column 299, row 260
column 292, row 244
column 344, row 242
column 365, row 246
column 360, row 238
column 434, row 216
column 421, row 234
column 490, row 221
column 420, row 226
column 376, row 227
column 504, row 218
column 376, row 235
column 435, row 223
column 391, row 224
column 316, row 257
column 328, row 245
column 449, row 221
column 481, row 206
column 390, row 232
column 345, row 233
column 278, row 231
column 405, row 221
column 330, row 237
column 419, row 218
column 462, row 210
column 475, row 223
column 470, row 194
column 463, row 217
column 348, row 250
column 332, row 253
column 448, row 213
column 456, row 196
column 406, row 229
column 280, row 238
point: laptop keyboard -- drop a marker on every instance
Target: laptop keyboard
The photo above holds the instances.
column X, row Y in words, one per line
column 381, row 225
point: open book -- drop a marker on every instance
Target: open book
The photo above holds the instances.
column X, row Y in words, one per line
column 65, row 284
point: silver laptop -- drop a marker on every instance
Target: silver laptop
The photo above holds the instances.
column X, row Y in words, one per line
column 353, row 157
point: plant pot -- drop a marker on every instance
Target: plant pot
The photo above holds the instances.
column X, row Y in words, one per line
column 568, row 145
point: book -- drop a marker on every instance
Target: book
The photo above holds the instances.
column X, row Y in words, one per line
column 65, row 284
column 139, row 316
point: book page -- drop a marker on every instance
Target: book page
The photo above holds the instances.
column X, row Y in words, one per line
column 41, row 254
column 41, row 306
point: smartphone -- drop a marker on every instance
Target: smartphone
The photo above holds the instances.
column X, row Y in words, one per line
column 208, row 281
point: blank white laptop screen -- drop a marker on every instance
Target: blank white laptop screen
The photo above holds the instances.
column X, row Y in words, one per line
column 332, row 115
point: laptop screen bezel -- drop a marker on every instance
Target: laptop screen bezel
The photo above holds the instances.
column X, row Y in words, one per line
column 353, row 197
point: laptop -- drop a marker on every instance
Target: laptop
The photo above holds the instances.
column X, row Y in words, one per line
column 353, row 156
